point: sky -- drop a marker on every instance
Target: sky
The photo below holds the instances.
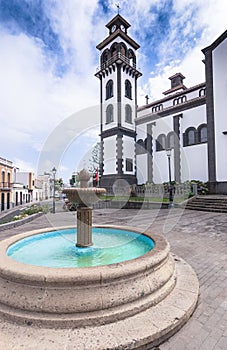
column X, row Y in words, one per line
column 48, row 92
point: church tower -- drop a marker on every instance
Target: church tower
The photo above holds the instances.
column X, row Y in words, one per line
column 118, row 98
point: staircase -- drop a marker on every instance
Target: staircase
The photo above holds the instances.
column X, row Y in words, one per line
column 214, row 203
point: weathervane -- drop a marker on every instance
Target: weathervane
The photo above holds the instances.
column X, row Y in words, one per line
column 118, row 8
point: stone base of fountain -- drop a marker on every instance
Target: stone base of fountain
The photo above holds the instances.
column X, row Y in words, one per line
column 126, row 305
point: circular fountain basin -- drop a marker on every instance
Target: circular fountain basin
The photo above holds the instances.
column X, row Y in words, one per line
column 133, row 304
column 75, row 297
column 57, row 248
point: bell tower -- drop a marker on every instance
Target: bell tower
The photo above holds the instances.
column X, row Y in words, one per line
column 118, row 99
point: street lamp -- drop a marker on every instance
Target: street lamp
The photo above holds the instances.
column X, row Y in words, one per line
column 54, row 173
column 171, row 204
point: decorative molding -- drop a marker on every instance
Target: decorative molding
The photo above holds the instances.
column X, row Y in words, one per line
column 118, row 131
column 196, row 102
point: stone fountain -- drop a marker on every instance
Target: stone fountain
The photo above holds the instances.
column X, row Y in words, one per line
column 85, row 197
column 134, row 304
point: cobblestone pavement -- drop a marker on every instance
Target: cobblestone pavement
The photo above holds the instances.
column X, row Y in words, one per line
column 198, row 237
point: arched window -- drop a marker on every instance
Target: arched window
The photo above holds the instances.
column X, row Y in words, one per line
column 161, row 142
column 132, row 57
column 202, row 133
column 140, row 149
column 109, row 89
column 109, row 114
column 128, row 114
column 202, row 92
column 128, row 89
column 8, row 179
column 189, row 137
column 171, row 140
column 3, row 176
column 157, row 108
column 180, row 99
column 104, row 57
column 113, row 50
column 123, row 49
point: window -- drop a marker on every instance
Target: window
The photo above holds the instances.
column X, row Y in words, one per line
column 113, row 50
column 193, row 136
column 104, row 58
column 140, row 147
column 8, row 179
column 123, row 49
column 132, row 58
column 202, row 133
column 128, row 114
column 189, row 137
column 128, row 89
column 109, row 114
column 171, row 139
column 109, row 89
column 157, row 108
column 180, row 99
column 129, row 164
column 161, row 142
column 202, row 92
column 3, row 176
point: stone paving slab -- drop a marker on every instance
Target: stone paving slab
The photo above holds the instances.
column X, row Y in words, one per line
column 198, row 237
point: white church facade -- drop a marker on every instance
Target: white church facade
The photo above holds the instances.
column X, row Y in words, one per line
column 191, row 121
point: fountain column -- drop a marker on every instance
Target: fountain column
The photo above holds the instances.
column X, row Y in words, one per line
column 84, row 214
column 84, row 226
column 85, row 197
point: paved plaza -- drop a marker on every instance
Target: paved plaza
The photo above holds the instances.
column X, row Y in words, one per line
column 198, row 237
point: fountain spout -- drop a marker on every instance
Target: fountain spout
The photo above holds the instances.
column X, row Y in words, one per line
column 85, row 197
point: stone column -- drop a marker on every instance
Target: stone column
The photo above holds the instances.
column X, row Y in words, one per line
column 84, row 226
column 177, row 155
column 150, row 151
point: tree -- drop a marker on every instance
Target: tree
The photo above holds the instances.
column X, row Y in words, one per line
column 95, row 160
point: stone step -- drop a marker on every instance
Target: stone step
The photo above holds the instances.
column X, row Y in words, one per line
column 211, row 209
column 199, row 200
column 204, row 204
column 208, row 203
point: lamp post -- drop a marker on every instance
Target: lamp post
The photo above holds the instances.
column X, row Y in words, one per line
column 171, row 204
column 54, row 173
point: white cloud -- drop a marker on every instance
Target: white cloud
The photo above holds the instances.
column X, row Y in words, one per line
column 206, row 19
column 33, row 99
column 23, row 165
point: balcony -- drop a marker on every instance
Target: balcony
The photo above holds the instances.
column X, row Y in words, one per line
column 5, row 186
column 117, row 58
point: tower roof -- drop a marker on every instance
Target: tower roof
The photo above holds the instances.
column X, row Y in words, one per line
column 118, row 20
column 118, row 26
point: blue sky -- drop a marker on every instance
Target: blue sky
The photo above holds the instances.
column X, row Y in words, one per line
column 49, row 57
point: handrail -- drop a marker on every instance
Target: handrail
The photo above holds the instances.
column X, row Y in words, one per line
column 5, row 184
column 114, row 58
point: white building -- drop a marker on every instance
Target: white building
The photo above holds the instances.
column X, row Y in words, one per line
column 191, row 121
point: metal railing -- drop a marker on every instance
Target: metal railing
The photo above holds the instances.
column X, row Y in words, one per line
column 5, row 185
column 150, row 191
column 114, row 58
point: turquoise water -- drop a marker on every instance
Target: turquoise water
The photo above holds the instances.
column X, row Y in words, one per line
column 57, row 248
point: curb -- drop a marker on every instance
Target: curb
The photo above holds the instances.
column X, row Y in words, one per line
column 17, row 223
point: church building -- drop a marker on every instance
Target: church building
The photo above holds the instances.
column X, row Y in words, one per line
column 188, row 123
